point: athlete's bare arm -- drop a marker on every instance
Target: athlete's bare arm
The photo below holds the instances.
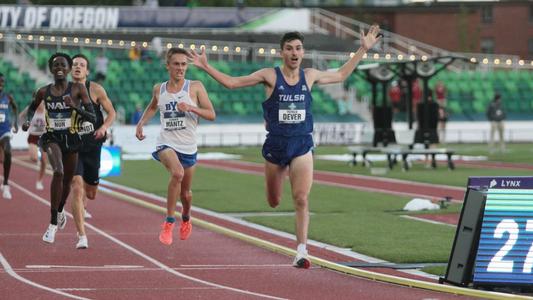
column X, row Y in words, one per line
column 15, row 113
column 102, row 99
column 322, row 77
column 79, row 92
column 265, row 76
column 204, row 107
column 37, row 99
column 148, row 113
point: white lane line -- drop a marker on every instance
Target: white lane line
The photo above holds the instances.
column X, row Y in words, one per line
column 13, row 274
column 427, row 220
column 146, row 257
column 81, row 267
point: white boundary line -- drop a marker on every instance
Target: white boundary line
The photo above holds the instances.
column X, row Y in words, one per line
column 427, row 221
column 144, row 256
column 13, row 274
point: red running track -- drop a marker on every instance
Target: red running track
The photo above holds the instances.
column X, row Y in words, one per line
column 125, row 260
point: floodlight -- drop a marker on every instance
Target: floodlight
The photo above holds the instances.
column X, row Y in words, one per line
column 382, row 73
column 425, row 69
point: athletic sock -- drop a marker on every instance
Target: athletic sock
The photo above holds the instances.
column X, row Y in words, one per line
column 301, row 248
column 185, row 218
column 171, row 219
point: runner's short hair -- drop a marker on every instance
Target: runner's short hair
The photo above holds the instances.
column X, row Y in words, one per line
column 175, row 50
column 59, row 54
column 84, row 57
column 291, row 36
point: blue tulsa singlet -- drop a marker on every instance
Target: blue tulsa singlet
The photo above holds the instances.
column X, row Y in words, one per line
column 287, row 111
column 5, row 122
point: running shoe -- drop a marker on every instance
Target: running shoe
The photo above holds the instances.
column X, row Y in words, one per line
column 6, row 193
column 87, row 215
column 39, row 185
column 83, row 243
column 301, row 260
column 50, row 234
column 61, row 219
column 166, row 233
column 185, row 230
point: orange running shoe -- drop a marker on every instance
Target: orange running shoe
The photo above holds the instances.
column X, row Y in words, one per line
column 185, row 230
column 166, row 233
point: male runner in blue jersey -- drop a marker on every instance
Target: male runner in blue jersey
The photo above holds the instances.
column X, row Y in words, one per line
column 289, row 122
column 7, row 106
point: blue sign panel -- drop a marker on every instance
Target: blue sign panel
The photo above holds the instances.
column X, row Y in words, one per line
column 505, row 251
column 110, row 160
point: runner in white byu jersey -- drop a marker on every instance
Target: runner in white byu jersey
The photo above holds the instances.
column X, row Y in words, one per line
column 180, row 102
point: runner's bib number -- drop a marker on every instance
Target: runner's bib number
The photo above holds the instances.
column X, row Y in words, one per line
column 291, row 116
column 174, row 123
column 38, row 127
column 60, row 124
column 86, row 128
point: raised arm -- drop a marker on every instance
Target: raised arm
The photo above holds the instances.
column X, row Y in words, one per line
column 230, row 82
column 205, row 108
column 148, row 113
column 367, row 42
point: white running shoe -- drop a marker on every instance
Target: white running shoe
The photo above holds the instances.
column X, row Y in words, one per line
column 6, row 193
column 87, row 215
column 83, row 243
column 301, row 260
column 50, row 234
column 61, row 219
column 39, row 185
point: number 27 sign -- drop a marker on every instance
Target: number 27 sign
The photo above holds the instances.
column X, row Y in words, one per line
column 505, row 251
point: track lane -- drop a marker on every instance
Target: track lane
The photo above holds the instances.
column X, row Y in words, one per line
column 206, row 255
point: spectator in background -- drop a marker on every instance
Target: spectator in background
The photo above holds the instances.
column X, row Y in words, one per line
column 443, row 118
column 395, row 95
column 440, row 93
column 157, row 46
column 134, row 53
column 101, row 67
column 496, row 116
column 137, row 114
